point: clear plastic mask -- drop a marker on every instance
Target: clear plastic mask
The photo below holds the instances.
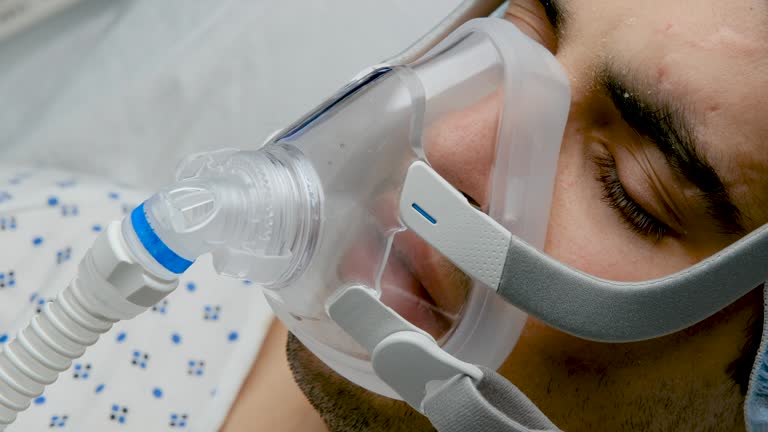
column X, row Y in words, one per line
column 361, row 144
column 487, row 86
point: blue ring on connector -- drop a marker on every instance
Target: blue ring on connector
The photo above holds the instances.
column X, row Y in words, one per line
column 152, row 243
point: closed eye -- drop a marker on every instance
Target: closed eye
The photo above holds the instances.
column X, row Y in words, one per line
column 640, row 220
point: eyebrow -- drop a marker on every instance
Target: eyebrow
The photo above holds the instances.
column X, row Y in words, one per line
column 666, row 126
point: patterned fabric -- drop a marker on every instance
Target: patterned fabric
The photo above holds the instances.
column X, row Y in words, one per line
column 178, row 366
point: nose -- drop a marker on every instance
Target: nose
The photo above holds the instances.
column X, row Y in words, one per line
column 460, row 146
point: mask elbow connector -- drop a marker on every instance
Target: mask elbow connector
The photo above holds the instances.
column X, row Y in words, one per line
column 256, row 212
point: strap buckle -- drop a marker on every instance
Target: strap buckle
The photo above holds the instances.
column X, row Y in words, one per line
column 403, row 356
column 410, row 363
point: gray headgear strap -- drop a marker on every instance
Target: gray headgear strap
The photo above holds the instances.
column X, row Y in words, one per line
column 599, row 309
column 493, row 404
column 465, row 11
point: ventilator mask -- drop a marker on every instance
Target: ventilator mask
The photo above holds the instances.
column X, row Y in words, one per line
column 386, row 270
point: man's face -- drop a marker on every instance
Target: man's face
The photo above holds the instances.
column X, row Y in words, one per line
column 664, row 161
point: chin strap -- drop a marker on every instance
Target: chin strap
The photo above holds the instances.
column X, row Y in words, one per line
column 489, row 405
column 454, row 395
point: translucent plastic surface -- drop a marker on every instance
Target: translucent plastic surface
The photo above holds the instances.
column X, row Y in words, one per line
column 360, row 144
column 317, row 209
column 360, row 150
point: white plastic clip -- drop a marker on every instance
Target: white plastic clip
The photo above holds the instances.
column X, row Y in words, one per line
column 409, row 362
column 403, row 356
column 438, row 213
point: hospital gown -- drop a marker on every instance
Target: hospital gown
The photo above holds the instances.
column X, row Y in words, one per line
column 177, row 366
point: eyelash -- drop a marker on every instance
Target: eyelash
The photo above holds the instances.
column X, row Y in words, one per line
column 632, row 213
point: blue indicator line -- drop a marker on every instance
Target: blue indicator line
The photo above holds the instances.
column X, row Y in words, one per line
column 424, row 213
column 154, row 244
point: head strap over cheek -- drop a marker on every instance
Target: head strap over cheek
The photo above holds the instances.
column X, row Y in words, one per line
column 603, row 310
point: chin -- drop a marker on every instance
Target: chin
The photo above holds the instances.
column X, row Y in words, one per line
column 344, row 406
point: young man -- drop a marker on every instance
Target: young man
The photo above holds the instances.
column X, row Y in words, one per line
column 664, row 162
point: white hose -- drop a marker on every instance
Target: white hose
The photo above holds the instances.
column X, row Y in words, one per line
column 233, row 204
column 110, row 286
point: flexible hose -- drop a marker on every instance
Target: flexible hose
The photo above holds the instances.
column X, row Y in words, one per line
column 57, row 335
column 110, row 286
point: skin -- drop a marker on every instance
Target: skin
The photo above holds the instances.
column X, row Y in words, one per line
column 706, row 56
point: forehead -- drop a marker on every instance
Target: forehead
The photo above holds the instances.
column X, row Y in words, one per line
column 707, row 56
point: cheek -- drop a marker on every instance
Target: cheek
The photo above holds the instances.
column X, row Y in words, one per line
column 571, row 224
